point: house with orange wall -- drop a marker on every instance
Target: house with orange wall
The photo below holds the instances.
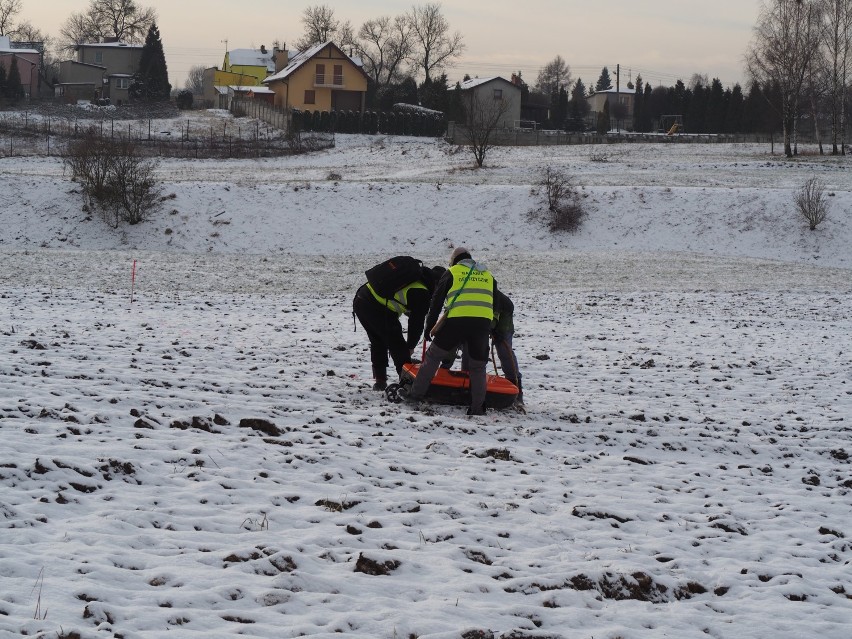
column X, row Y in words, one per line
column 322, row 78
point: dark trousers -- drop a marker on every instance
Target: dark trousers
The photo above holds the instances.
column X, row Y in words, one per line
column 472, row 333
column 506, row 356
column 384, row 332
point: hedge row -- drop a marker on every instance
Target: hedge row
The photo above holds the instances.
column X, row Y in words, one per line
column 372, row 122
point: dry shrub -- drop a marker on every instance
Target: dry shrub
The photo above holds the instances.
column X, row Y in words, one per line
column 115, row 177
column 562, row 202
column 811, row 203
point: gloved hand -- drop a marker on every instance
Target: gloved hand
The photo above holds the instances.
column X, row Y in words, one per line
column 497, row 336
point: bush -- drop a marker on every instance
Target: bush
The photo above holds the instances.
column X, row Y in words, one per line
column 89, row 158
column 562, row 203
column 133, row 191
column 811, row 203
column 115, row 178
column 184, row 99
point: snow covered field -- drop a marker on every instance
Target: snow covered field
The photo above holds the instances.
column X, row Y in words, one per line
column 209, row 460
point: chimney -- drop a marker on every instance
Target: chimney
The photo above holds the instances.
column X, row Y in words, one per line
column 281, row 58
column 263, row 49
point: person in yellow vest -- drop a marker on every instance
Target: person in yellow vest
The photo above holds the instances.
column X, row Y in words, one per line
column 381, row 317
column 464, row 300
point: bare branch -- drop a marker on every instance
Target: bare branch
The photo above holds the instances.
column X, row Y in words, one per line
column 8, row 10
column 384, row 44
column 435, row 47
column 484, row 117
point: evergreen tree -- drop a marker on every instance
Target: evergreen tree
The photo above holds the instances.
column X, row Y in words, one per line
column 717, row 107
column 371, row 98
column 647, row 123
column 657, row 104
column 603, row 119
column 408, row 91
column 734, row 116
column 578, row 93
column 578, row 107
column 435, row 94
column 559, row 108
column 14, row 89
column 679, row 99
column 3, row 84
column 604, row 81
column 455, row 109
column 151, row 82
column 638, row 103
column 404, row 92
column 695, row 119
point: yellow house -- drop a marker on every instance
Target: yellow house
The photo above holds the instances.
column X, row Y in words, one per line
column 249, row 66
column 323, row 78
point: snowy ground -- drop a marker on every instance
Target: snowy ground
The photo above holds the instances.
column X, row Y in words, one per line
column 208, row 460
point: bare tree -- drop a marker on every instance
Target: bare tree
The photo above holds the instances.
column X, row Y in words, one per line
column 837, row 40
column 785, row 41
column 811, row 203
column 698, row 79
column 8, row 10
column 434, row 46
column 123, row 20
column 553, row 76
column 816, row 88
column 27, row 32
column 563, row 202
column 484, row 116
column 195, row 79
column 384, row 44
column 321, row 26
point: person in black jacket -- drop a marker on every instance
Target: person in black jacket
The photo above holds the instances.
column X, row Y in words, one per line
column 465, row 293
column 380, row 317
column 502, row 333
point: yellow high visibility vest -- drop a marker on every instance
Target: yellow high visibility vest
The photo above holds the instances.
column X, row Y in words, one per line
column 399, row 302
column 475, row 297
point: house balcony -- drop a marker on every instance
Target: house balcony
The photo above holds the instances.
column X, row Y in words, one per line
column 328, row 82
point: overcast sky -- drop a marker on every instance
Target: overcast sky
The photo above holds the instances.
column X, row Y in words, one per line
column 662, row 39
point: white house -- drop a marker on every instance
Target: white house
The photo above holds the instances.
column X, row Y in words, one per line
column 484, row 92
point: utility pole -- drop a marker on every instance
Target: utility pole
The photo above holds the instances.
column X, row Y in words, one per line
column 617, row 96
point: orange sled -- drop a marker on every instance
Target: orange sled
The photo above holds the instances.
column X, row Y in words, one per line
column 453, row 387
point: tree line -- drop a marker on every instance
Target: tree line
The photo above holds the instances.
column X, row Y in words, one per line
column 797, row 64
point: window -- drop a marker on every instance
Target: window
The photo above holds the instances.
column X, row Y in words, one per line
column 99, row 57
column 310, row 97
column 122, row 83
column 498, row 94
column 320, row 80
column 338, row 74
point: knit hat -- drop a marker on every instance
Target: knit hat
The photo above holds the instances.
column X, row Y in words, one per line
column 458, row 254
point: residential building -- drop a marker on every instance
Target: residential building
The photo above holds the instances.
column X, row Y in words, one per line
column 487, row 94
column 29, row 64
column 620, row 106
column 241, row 68
column 249, row 66
column 102, row 70
column 323, row 78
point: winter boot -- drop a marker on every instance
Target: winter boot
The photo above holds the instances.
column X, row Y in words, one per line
column 480, row 410
column 381, row 378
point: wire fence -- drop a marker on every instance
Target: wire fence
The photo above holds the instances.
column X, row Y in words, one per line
column 46, row 131
column 457, row 134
